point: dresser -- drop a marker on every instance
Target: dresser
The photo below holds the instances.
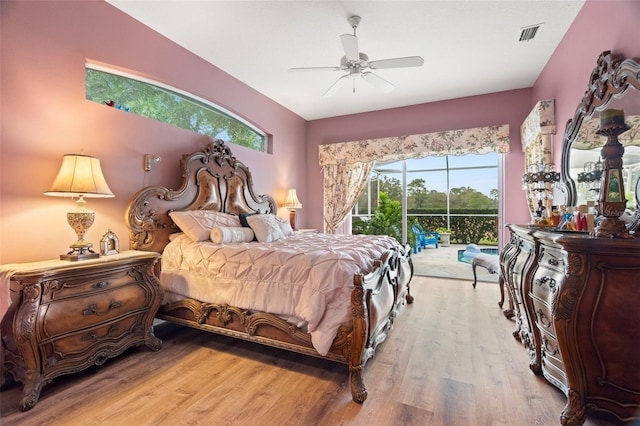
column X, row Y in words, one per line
column 66, row 316
column 577, row 310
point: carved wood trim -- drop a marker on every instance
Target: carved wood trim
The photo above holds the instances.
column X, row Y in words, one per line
column 612, row 76
column 212, row 179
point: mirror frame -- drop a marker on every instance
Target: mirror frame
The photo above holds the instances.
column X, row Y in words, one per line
column 611, row 77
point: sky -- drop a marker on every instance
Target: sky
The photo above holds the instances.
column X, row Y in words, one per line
column 482, row 180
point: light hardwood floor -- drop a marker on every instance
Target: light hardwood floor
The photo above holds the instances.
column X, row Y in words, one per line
column 460, row 367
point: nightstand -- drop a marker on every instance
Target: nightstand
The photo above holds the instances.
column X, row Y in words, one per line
column 67, row 316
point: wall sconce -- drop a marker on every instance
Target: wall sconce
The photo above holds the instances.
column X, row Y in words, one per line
column 149, row 159
column 80, row 176
column 291, row 202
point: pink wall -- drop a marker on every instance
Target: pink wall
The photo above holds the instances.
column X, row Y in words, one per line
column 45, row 115
column 600, row 25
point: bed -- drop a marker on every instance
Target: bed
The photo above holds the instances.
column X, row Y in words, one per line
column 329, row 296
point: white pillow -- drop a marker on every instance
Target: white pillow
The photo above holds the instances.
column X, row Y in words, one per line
column 197, row 224
column 285, row 226
column 266, row 227
column 231, row 234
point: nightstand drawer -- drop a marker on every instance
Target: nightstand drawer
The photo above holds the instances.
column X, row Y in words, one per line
column 72, row 348
column 64, row 316
column 90, row 281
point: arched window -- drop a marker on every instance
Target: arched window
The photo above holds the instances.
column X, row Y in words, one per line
column 170, row 105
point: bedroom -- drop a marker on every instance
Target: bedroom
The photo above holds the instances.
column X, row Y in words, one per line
column 44, row 115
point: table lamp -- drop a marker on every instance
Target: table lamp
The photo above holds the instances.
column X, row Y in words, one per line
column 80, row 176
column 291, row 202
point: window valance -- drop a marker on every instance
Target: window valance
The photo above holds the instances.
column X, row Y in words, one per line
column 540, row 121
column 480, row 140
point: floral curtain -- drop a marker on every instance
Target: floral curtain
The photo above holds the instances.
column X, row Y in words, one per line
column 347, row 181
column 347, row 165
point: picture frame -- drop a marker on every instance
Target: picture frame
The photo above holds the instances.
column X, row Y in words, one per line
column 109, row 244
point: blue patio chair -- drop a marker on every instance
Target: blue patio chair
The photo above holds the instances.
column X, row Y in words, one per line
column 424, row 238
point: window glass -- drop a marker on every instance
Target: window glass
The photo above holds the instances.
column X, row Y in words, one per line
column 427, row 190
column 459, row 193
column 170, row 105
column 473, row 160
column 427, row 163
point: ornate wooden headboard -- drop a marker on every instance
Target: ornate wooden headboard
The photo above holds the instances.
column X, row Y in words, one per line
column 212, row 179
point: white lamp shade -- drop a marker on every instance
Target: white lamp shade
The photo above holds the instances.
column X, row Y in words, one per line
column 80, row 175
column 291, row 201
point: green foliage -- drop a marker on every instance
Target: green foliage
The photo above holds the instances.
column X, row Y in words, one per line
column 169, row 107
column 387, row 219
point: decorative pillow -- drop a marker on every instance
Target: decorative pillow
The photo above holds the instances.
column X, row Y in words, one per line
column 266, row 227
column 285, row 226
column 231, row 234
column 243, row 218
column 197, row 224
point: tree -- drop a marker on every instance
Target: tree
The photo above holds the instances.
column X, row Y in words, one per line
column 161, row 104
column 417, row 194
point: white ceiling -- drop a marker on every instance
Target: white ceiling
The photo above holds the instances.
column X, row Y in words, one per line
column 469, row 47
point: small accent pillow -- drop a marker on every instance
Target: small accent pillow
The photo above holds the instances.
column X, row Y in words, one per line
column 197, row 224
column 231, row 234
column 266, row 227
column 243, row 218
column 285, row 226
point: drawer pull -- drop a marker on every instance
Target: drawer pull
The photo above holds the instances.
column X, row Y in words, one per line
column 93, row 308
column 94, row 336
column 90, row 336
column 547, row 347
column 553, row 261
column 100, row 284
column 551, row 282
column 541, row 317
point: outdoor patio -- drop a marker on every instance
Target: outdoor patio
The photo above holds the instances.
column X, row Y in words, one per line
column 443, row 262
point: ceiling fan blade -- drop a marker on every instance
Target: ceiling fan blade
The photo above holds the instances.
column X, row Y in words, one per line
column 377, row 82
column 350, row 46
column 409, row 61
column 334, row 87
column 315, row 69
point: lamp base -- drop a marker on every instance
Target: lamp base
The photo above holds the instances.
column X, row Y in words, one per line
column 612, row 227
column 292, row 219
column 80, row 253
column 77, row 256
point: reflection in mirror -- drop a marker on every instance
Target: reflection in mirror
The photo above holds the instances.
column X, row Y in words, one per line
column 585, row 164
column 613, row 84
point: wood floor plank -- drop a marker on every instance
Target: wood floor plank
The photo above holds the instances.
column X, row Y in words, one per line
column 450, row 360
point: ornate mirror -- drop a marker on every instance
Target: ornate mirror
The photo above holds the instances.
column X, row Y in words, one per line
column 614, row 83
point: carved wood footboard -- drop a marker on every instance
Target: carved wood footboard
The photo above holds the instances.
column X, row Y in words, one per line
column 375, row 303
column 214, row 180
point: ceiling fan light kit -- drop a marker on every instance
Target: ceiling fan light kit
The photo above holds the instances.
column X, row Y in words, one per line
column 357, row 64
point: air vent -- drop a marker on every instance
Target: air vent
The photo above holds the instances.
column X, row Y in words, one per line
column 528, row 33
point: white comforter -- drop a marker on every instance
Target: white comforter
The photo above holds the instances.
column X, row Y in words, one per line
column 306, row 278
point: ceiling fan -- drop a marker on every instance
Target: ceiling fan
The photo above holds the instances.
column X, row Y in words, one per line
column 356, row 63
